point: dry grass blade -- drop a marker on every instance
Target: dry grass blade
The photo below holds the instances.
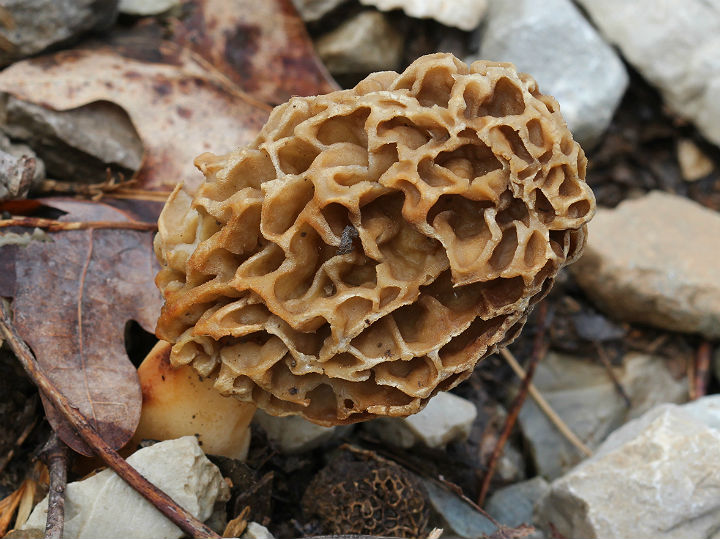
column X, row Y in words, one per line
column 236, row 526
column 8, row 506
column 179, row 516
column 602, row 356
column 537, row 352
column 544, row 405
column 26, row 502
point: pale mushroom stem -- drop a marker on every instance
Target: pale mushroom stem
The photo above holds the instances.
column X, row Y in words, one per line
column 179, row 402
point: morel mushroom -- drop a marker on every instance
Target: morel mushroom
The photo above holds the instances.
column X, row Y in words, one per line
column 373, row 244
column 361, row 493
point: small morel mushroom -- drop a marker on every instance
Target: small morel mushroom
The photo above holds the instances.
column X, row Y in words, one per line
column 358, row 494
column 373, row 244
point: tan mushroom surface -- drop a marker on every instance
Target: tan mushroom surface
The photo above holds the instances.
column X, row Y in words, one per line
column 373, row 244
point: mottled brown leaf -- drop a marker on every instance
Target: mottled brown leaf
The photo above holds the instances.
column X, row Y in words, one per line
column 73, row 298
column 178, row 103
column 262, row 46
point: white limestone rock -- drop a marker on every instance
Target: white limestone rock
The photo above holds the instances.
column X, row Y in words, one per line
column 364, row 43
column 553, row 42
column 256, row 531
column 147, row 7
column 105, row 506
column 706, row 410
column 314, row 10
column 445, row 419
column 657, row 476
column 674, row 44
column 655, row 260
column 463, row 14
column 583, row 395
column 293, row 434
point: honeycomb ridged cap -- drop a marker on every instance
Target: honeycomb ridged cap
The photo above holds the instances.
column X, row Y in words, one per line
column 373, row 244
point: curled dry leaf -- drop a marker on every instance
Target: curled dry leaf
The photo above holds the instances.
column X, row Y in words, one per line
column 263, row 47
column 178, row 105
column 73, row 298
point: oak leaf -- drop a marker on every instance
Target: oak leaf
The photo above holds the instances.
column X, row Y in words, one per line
column 73, row 298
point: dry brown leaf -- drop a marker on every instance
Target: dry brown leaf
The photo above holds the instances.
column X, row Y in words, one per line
column 179, row 105
column 262, row 46
column 188, row 95
column 72, row 299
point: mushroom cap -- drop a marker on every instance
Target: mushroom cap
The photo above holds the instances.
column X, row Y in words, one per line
column 373, row 244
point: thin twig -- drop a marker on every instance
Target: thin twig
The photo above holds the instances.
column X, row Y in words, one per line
column 55, row 226
column 55, row 456
column 8, row 506
column 89, row 190
column 179, row 516
column 602, row 356
column 544, row 405
column 702, row 369
column 538, row 345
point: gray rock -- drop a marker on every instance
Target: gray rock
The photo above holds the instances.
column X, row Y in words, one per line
column 511, row 464
column 583, row 395
column 657, row 476
column 460, row 518
column 314, row 10
column 364, row 43
column 30, row 26
column 513, row 505
column 16, row 175
column 77, row 144
column 23, row 150
column 463, row 14
column 553, row 42
column 674, row 44
column 655, row 260
column 293, row 434
column 446, row 418
column 103, row 505
column 147, row 7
